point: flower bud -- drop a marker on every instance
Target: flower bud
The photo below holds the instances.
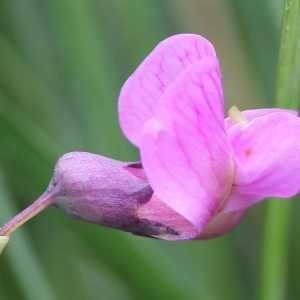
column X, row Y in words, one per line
column 99, row 189
column 104, row 191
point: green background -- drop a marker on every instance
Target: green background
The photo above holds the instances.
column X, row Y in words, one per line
column 62, row 63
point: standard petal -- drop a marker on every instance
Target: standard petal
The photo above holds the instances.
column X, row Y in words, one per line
column 140, row 94
column 184, row 148
column 267, row 156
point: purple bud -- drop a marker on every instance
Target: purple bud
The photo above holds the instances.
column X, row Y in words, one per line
column 104, row 191
column 100, row 190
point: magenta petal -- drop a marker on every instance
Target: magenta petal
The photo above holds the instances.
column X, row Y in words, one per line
column 251, row 114
column 136, row 169
column 140, row 94
column 221, row 224
column 266, row 152
column 185, row 150
column 170, row 224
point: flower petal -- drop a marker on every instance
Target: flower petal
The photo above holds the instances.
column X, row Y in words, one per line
column 251, row 114
column 157, row 219
column 221, row 224
column 267, row 155
column 140, row 94
column 136, row 169
column 185, row 150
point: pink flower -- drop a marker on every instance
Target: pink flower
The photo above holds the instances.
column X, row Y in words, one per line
column 199, row 172
column 205, row 170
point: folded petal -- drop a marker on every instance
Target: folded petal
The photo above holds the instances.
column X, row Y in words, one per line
column 267, row 156
column 184, row 147
column 140, row 94
column 157, row 219
column 136, row 169
column 251, row 114
column 221, row 224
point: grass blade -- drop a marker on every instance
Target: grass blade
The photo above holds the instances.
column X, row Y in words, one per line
column 276, row 241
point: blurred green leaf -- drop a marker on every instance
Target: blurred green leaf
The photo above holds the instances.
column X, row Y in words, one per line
column 276, row 243
column 31, row 276
column 258, row 25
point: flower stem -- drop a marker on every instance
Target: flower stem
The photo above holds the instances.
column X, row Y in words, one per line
column 276, row 239
column 37, row 206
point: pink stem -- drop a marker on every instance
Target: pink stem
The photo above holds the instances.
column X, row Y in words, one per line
column 37, row 206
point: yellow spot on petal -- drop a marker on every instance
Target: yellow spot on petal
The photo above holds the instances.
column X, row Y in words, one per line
column 236, row 115
column 3, row 242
